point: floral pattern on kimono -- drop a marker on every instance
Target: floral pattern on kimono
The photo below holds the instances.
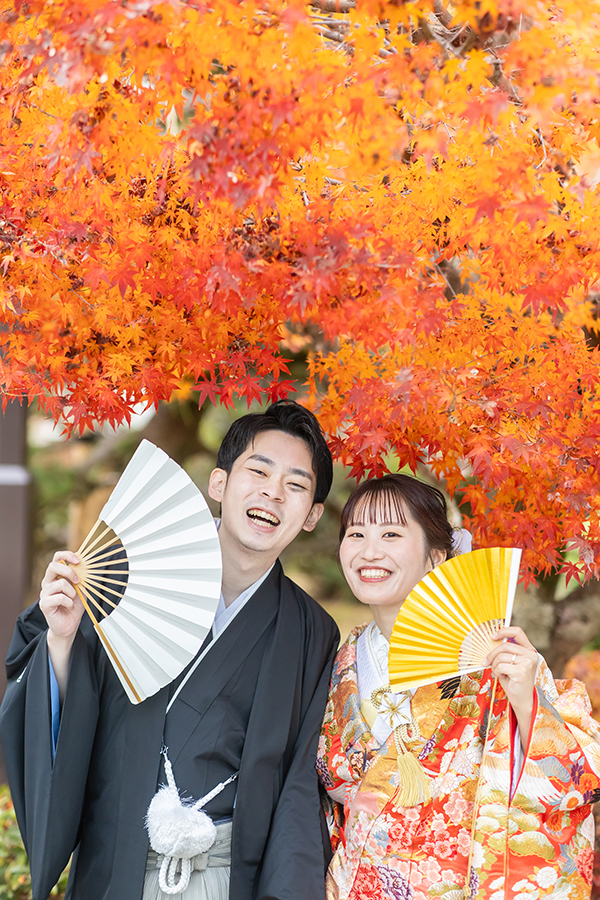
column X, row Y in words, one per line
column 537, row 844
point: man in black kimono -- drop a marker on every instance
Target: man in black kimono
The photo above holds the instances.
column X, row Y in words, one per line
column 253, row 705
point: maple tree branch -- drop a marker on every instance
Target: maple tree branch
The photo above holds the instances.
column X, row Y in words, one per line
column 328, row 20
column 441, row 272
column 452, row 138
column 341, row 6
column 72, row 290
column 442, row 14
column 439, row 34
column 329, row 34
column 469, row 42
column 540, row 135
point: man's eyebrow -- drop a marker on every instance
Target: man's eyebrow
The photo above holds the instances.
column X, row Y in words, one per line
column 261, row 458
column 302, row 473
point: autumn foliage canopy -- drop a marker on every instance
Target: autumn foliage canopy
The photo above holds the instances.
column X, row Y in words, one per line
column 406, row 190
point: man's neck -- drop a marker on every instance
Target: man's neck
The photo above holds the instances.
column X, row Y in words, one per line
column 240, row 571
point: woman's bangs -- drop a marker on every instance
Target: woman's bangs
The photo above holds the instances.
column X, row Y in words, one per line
column 379, row 506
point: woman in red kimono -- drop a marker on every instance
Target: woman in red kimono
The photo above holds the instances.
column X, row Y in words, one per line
column 410, row 829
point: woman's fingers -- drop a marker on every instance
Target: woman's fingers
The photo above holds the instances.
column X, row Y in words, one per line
column 512, row 642
column 515, row 635
column 514, row 663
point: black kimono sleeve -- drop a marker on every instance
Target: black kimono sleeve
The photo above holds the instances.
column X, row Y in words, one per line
column 48, row 794
column 96, row 792
column 298, row 849
column 278, row 792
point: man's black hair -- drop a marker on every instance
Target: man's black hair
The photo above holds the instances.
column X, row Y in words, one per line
column 291, row 418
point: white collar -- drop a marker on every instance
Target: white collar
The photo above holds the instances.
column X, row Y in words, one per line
column 378, row 648
column 372, row 650
column 223, row 617
column 225, row 613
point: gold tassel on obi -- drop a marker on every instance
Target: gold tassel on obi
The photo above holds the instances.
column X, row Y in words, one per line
column 413, row 787
column 413, row 784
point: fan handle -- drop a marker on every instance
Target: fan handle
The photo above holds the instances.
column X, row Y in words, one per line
column 106, row 644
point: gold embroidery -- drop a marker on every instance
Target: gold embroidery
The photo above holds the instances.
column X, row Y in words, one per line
column 369, row 711
column 428, row 709
column 413, row 786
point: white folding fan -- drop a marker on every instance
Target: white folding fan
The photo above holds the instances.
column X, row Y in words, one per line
column 153, row 561
column 445, row 625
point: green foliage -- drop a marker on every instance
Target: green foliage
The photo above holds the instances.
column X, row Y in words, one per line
column 15, row 882
column 54, row 482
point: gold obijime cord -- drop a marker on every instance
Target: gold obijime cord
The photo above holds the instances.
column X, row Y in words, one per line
column 413, row 783
column 413, row 788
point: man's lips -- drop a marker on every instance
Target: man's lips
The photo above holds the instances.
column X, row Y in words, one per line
column 372, row 573
column 263, row 517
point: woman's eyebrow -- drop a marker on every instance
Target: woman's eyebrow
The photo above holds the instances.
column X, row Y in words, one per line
column 396, row 524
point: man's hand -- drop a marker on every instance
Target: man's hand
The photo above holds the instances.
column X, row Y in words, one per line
column 63, row 610
column 514, row 663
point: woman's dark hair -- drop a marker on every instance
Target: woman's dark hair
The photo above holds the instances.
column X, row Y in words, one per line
column 291, row 418
column 387, row 499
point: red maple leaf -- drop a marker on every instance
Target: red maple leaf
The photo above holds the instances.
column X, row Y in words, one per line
column 485, row 207
column 207, row 388
column 531, row 210
column 486, row 110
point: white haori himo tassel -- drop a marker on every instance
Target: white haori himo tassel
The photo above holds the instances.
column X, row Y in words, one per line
column 179, row 830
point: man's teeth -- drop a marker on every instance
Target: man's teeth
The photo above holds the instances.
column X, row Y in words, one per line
column 374, row 573
column 263, row 516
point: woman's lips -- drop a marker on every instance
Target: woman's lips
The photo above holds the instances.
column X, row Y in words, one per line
column 373, row 574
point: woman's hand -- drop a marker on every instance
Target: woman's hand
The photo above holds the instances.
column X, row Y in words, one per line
column 63, row 610
column 514, row 663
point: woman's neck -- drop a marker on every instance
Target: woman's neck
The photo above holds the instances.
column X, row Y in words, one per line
column 385, row 616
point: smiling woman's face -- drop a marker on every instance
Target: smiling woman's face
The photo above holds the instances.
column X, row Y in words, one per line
column 383, row 560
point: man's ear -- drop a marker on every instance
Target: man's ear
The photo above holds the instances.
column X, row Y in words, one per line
column 313, row 516
column 216, row 484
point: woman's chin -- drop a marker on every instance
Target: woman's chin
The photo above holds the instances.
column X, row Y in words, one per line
column 389, row 603
column 370, row 597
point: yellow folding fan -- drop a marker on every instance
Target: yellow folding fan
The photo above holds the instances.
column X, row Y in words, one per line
column 445, row 625
column 150, row 572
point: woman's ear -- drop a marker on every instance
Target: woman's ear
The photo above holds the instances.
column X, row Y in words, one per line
column 436, row 558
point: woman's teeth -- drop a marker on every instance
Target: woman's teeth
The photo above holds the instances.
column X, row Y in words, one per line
column 373, row 573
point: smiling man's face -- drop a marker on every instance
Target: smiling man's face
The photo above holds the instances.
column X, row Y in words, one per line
column 267, row 498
